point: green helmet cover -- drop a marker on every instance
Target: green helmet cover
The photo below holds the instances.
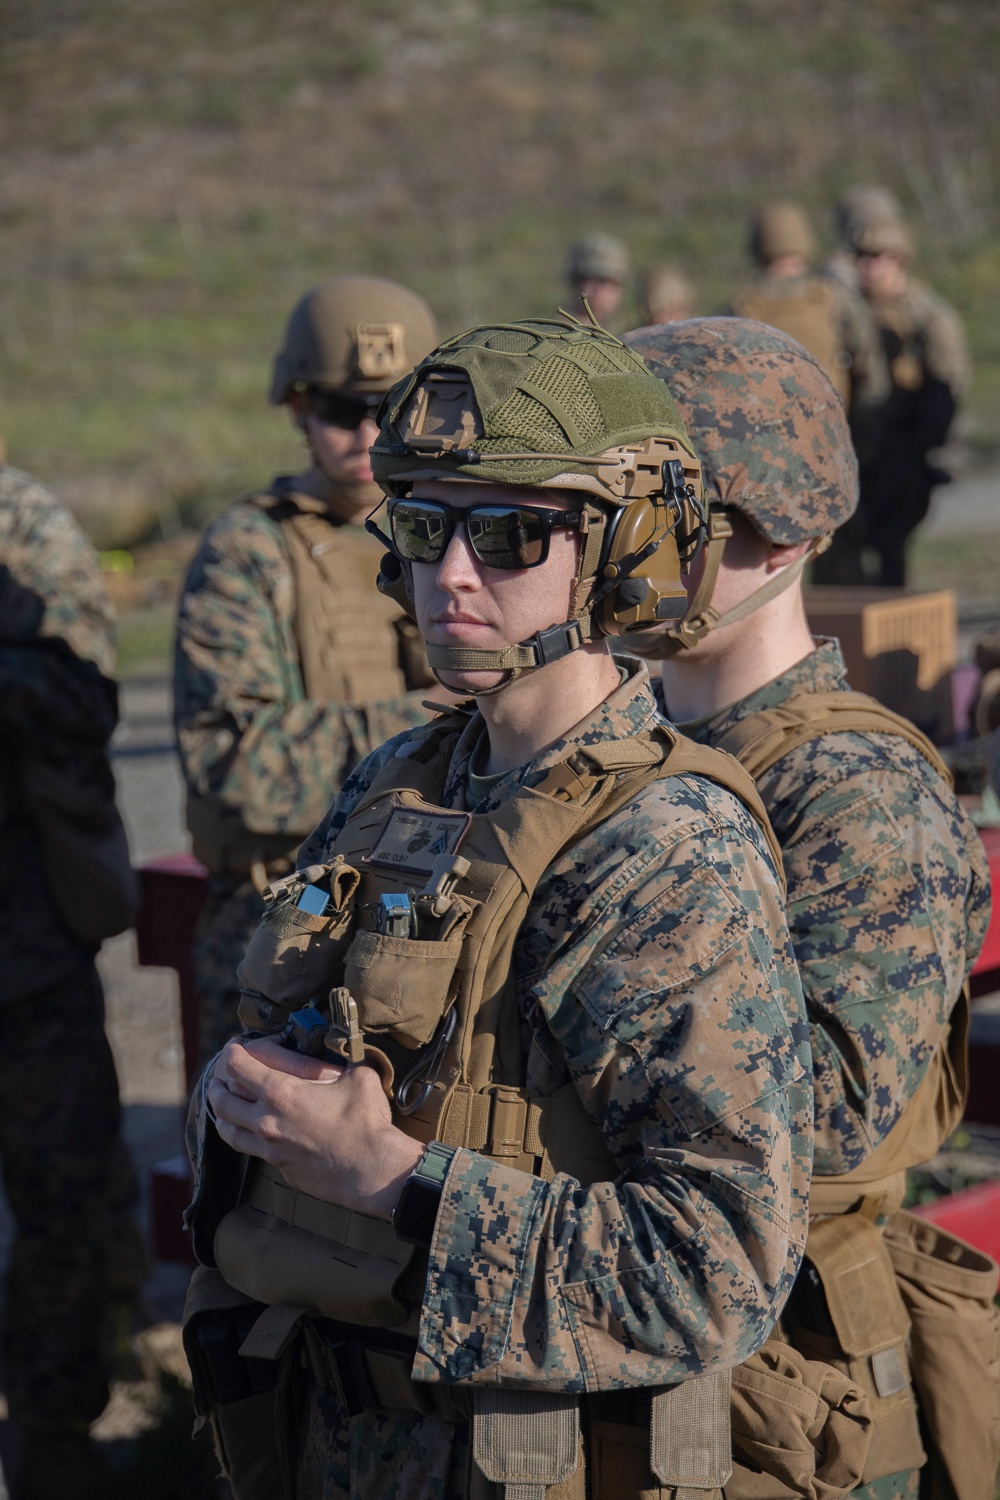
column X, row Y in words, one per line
column 536, row 403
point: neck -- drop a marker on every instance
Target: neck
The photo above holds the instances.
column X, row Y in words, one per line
column 730, row 664
column 538, row 709
column 349, row 503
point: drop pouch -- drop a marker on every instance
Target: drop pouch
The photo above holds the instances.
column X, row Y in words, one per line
column 295, row 956
column 407, row 983
column 948, row 1289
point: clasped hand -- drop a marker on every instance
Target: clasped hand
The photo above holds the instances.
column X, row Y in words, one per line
column 326, row 1127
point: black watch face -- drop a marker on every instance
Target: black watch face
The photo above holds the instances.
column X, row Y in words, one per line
column 416, row 1211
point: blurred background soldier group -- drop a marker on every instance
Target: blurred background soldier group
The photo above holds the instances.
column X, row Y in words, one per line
column 893, row 349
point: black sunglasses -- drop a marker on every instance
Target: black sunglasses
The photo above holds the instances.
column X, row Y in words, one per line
column 501, row 536
column 336, row 410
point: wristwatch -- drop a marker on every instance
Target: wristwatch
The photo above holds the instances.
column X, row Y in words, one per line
column 416, row 1209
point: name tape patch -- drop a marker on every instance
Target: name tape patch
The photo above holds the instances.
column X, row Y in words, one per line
column 412, row 840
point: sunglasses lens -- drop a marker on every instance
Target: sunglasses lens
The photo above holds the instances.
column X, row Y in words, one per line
column 343, row 411
column 421, row 532
column 506, row 538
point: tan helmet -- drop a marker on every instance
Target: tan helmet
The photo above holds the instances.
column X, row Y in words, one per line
column 667, row 295
column 598, row 256
column 780, row 229
column 861, row 205
column 884, row 237
column 353, row 334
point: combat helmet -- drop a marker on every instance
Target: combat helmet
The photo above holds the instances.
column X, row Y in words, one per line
column 356, row 334
column 884, row 237
column 780, row 229
column 597, row 256
column 554, row 404
column 864, row 204
column 774, row 444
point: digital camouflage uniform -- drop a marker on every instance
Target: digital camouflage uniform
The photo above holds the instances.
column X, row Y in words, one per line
column 67, row 1176
column 249, row 737
column 887, row 884
column 649, row 977
column 888, row 904
column 654, row 970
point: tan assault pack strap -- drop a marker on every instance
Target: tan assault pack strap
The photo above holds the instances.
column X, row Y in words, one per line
column 761, row 739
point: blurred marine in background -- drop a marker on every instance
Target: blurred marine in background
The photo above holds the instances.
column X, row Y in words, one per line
column 598, row 269
column 666, row 295
column 828, row 320
column 290, row 667
column 65, row 885
column 928, row 365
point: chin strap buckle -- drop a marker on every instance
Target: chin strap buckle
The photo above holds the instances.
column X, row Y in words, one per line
column 557, row 641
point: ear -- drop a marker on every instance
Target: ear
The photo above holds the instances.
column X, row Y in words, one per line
column 298, row 409
column 781, row 557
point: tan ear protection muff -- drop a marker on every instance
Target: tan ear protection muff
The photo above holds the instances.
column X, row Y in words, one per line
column 650, row 543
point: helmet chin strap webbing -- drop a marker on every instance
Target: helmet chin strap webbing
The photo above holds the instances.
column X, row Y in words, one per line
column 701, row 617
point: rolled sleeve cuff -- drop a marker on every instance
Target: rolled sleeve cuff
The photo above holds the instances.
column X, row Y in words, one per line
column 487, row 1222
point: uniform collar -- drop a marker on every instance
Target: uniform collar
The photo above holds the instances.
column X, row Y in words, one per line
column 822, row 671
column 631, row 708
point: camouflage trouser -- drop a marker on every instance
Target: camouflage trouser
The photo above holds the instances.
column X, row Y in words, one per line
column 227, row 920
column 72, row 1192
column 379, row 1455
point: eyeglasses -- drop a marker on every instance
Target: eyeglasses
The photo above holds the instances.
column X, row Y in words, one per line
column 501, row 536
column 336, row 410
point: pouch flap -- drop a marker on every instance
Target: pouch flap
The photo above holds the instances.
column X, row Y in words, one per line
column 530, row 1439
column 690, row 1436
column 852, row 1261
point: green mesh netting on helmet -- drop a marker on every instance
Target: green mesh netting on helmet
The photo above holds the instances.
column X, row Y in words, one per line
column 558, row 389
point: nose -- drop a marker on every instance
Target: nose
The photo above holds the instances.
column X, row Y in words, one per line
column 366, row 434
column 459, row 567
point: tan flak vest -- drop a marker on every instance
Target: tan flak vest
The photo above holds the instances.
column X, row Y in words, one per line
column 306, row 1258
column 808, row 314
column 354, row 647
column 908, row 1289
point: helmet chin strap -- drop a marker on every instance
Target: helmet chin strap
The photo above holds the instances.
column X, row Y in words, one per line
column 537, row 651
column 701, row 617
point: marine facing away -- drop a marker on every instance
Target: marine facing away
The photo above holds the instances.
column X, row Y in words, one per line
column 888, row 900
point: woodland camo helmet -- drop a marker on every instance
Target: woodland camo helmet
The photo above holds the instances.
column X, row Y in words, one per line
column 774, row 445
column 555, row 404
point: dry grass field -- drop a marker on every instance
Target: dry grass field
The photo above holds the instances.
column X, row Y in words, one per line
column 173, row 173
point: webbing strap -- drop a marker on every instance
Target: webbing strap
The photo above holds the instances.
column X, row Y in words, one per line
column 759, row 740
column 548, row 645
column 690, row 1438
column 701, row 617
column 270, row 1194
column 525, row 1441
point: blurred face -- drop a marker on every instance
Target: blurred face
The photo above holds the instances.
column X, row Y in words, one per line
column 881, row 275
column 460, row 601
column 604, row 296
column 340, row 453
